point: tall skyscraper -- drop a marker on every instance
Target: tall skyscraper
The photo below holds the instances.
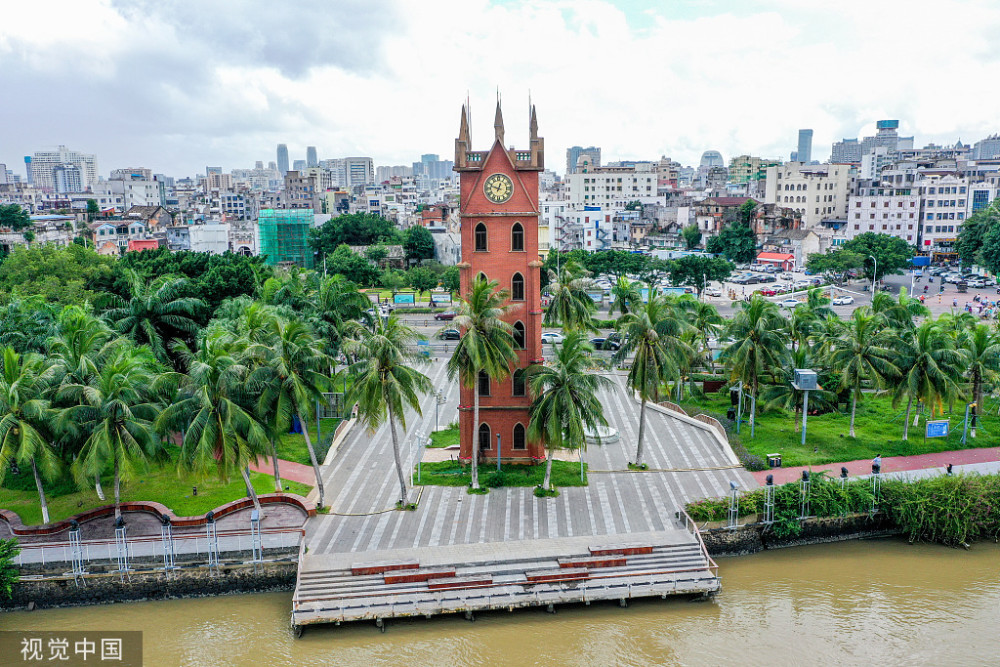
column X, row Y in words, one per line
column 804, row 153
column 312, row 159
column 573, row 157
column 282, row 159
column 298, row 165
column 846, row 151
column 27, row 168
column 43, row 163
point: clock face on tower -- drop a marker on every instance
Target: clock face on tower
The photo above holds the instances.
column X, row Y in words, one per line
column 498, row 188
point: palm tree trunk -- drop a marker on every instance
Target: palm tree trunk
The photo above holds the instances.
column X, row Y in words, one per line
column 274, row 462
column 642, row 432
column 118, row 493
column 41, row 492
column 753, row 409
column 245, row 471
column 475, row 435
column 906, row 421
column 395, row 455
column 547, row 482
column 312, row 457
column 854, row 407
column 97, row 485
column 916, row 417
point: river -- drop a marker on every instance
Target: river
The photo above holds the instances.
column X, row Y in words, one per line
column 854, row 603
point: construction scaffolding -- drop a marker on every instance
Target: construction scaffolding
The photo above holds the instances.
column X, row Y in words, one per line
column 284, row 236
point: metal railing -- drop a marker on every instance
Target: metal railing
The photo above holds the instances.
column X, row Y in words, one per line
column 692, row 527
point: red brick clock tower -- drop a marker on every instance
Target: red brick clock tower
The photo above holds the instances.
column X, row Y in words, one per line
column 499, row 214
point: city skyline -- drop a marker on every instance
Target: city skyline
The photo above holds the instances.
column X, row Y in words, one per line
column 197, row 97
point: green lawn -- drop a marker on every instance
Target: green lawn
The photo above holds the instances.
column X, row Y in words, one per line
column 452, row 473
column 292, row 446
column 161, row 483
column 878, row 425
column 445, row 437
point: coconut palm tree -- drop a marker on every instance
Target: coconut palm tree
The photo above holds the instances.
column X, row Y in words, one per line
column 625, row 295
column 802, row 322
column 782, row 395
column 863, row 353
column 384, row 380
column 930, row 366
column 982, row 359
column 651, row 332
column 485, row 348
column 707, row 323
column 114, row 412
column 899, row 312
column 758, row 346
column 337, row 301
column 296, row 372
column 155, row 312
column 565, row 403
column 818, row 303
column 25, row 382
column 220, row 433
column 571, row 305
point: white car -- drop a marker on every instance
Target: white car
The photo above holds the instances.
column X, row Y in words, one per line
column 713, row 291
column 552, row 337
column 801, row 284
column 843, row 300
column 789, row 303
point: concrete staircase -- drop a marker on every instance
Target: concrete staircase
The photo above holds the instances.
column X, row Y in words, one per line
column 551, row 572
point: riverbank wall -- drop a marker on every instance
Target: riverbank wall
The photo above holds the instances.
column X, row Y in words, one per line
column 751, row 538
column 55, row 588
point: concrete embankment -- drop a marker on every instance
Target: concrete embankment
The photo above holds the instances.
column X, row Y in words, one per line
column 750, row 538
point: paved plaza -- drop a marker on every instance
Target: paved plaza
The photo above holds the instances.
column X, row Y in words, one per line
column 361, row 485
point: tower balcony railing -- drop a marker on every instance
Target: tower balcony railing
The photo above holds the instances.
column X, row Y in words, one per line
column 475, row 156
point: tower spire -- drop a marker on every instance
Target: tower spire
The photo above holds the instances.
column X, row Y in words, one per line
column 463, row 130
column 533, row 125
column 498, row 123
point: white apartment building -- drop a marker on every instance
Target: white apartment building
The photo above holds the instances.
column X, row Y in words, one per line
column 44, row 162
column 885, row 210
column 614, row 188
column 944, row 202
column 210, row 237
column 981, row 195
column 816, row 192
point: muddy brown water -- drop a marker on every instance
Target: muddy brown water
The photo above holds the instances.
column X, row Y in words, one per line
column 856, row 603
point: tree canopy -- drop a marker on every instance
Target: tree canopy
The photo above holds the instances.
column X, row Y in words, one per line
column 692, row 236
column 418, row 244
column 835, row 264
column 353, row 229
column 695, row 270
column 893, row 253
column 63, row 275
column 973, row 235
column 13, row 217
column 352, row 266
column 736, row 242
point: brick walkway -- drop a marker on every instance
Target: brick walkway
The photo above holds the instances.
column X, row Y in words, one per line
column 889, row 464
column 289, row 470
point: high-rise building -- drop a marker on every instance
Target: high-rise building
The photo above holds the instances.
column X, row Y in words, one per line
column 43, row 163
column 298, row 165
column 284, row 236
column 67, row 178
column 846, row 151
column 312, row 159
column 573, row 154
column 282, row 159
column 499, row 223
column 27, row 169
column 804, row 152
column 987, row 149
column 712, row 159
column 359, row 171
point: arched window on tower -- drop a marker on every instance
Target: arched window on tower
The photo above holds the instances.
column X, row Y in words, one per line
column 480, row 237
column 517, row 287
column 518, row 382
column 518, row 442
column 517, row 237
column 484, row 436
column 484, row 384
column 519, row 335
column 482, row 276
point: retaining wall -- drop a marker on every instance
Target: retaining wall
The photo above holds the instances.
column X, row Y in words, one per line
column 755, row 537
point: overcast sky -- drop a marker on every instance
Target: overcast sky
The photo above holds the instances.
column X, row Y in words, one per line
column 176, row 86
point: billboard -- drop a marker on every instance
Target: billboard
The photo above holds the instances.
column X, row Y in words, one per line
column 596, row 297
column 937, row 429
column 440, row 298
column 404, row 298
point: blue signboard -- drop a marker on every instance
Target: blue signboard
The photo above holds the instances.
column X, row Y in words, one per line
column 937, row 429
column 596, row 297
column 403, row 298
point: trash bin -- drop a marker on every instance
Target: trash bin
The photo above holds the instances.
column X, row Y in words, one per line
column 774, row 460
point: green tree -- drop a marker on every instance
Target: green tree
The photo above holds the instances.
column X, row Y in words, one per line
column 698, row 270
column 14, row 218
column 114, row 412
column 393, row 279
column 385, row 382
column 93, row 210
column 899, row 312
column 25, row 324
column 337, row 301
column 353, row 229
column 625, row 295
column 981, row 346
column 972, row 235
column 736, row 242
column 61, row 274
column 570, row 305
column 486, row 348
column 418, row 244
column 565, row 403
column 692, row 236
column 451, row 279
column 818, row 303
column 892, row 253
column 650, row 332
column 376, row 254
column 706, row 322
column 757, row 348
column 24, row 414
column 930, row 366
column 10, row 574
column 747, row 212
column 835, row 265
column 421, row 279
column 352, row 266
column 782, row 395
column 863, row 354
column 155, row 313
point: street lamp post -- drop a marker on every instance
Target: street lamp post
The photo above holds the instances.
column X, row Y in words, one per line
column 874, row 274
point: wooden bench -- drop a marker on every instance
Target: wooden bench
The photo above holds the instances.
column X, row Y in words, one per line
column 410, row 576
column 384, row 566
column 562, row 574
column 460, row 582
column 592, row 561
column 622, row 550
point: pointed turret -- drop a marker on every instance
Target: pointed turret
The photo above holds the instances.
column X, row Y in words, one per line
column 463, row 130
column 533, row 125
column 462, row 142
column 498, row 124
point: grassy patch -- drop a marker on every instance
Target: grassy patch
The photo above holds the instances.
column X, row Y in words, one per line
column 160, row 483
column 292, row 446
column 452, row 473
column 879, row 429
column 446, row 437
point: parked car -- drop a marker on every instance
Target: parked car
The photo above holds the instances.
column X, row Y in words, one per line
column 604, row 344
column 450, row 334
column 446, row 317
column 843, row 300
column 768, row 279
column 789, row 303
column 552, row 337
column 787, row 276
column 768, row 291
column 800, row 284
column 713, row 291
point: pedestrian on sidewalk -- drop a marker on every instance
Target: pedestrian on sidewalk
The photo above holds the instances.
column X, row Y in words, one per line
column 877, row 465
